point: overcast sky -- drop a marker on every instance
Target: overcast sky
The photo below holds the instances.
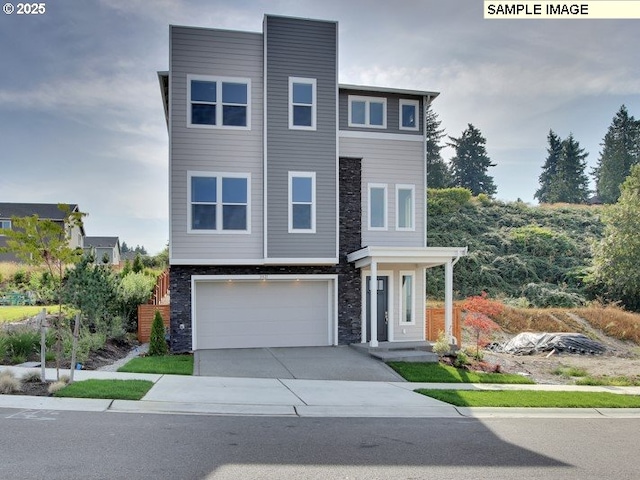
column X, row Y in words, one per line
column 81, row 118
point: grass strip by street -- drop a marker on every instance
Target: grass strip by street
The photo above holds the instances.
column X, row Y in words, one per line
column 167, row 364
column 437, row 373
column 533, row 399
column 109, row 389
column 618, row 381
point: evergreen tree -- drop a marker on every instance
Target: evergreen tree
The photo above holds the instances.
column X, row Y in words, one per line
column 617, row 256
column 438, row 173
column 620, row 151
column 124, row 248
column 550, row 168
column 157, row 342
column 470, row 164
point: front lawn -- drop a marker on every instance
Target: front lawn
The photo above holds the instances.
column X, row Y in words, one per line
column 109, row 389
column 167, row 364
column 528, row 398
column 438, row 373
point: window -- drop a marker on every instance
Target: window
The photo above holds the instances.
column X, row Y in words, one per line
column 302, row 202
column 409, row 115
column 6, row 224
column 218, row 102
column 219, row 202
column 404, row 207
column 407, row 295
column 367, row 112
column 377, row 206
column 302, row 103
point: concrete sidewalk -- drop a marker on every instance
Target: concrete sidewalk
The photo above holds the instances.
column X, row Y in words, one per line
column 300, row 398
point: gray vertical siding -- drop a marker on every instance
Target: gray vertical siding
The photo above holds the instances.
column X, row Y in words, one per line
column 393, row 112
column 227, row 54
column 391, row 162
column 301, row 48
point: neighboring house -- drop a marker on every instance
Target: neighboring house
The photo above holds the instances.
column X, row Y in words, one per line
column 290, row 193
column 101, row 246
column 45, row 211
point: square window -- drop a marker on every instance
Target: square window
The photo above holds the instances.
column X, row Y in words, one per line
column 219, row 203
column 303, row 93
column 369, row 112
column 218, row 102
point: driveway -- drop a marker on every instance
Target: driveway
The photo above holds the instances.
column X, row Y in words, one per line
column 309, row 363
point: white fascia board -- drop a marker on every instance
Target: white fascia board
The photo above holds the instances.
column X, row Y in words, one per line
column 380, row 136
column 428, row 256
column 301, row 261
column 253, row 261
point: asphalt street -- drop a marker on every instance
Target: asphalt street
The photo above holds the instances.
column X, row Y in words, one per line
column 38, row 444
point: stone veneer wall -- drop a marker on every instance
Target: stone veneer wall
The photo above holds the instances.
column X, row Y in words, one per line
column 349, row 282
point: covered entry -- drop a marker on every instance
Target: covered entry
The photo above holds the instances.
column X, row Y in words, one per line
column 410, row 264
column 263, row 311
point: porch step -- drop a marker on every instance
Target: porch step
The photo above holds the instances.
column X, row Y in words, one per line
column 399, row 351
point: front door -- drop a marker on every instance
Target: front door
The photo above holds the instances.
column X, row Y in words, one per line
column 383, row 309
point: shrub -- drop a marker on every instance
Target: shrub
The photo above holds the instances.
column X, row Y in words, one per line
column 543, row 295
column 9, row 383
column 135, row 289
column 22, row 343
column 32, row 376
column 461, row 359
column 157, row 342
column 56, row 386
column 3, row 348
column 478, row 320
column 447, row 200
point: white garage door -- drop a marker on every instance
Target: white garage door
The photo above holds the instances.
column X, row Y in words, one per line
column 251, row 314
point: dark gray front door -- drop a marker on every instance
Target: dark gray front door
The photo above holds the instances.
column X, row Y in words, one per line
column 383, row 309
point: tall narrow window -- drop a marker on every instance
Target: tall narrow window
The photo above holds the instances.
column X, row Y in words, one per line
column 409, row 115
column 377, row 206
column 302, row 103
column 219, row 202
column 302, row 199
column 218, row 102
column 407, row 298
column 405, row 207
column 370, row 112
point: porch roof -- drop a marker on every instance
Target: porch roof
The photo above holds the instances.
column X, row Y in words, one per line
column 424, row 256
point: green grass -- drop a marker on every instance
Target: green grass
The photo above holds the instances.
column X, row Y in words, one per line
column 168, row 364
column 619, row 381
column 526, row 398
column 437, row 373
column 15, row 313
column 109, row 389
column 570, row 372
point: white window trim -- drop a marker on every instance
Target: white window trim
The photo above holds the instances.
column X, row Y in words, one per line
column 312, row 176
column 314, row 103
column 413, row 207
column 412, row 274
column 218, row 103
column 219, row 176
column 414, row 103
column 368, row 101
column 7, row 226
column 371, row 186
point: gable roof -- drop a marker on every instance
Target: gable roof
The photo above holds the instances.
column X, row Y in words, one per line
column 101, row 242
column 46, row 211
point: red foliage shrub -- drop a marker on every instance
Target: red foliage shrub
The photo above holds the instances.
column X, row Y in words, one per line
column 479, row 310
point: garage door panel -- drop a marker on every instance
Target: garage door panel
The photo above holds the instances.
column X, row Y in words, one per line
column 262, row 314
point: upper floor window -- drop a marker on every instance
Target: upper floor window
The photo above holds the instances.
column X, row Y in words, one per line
column 302, row 103
column 367, row 112
column 6, row 224
column 377, row 206
column 302, row 202
column 409, row 115
column 219, row 202
column 405, row 207
column 215, row 102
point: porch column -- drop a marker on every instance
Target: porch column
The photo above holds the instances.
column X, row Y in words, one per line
column 448, row 301
column 373, row 304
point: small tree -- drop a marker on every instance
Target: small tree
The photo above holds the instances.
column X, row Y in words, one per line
column 38, row 241
column 157, row 342
column 479, row 310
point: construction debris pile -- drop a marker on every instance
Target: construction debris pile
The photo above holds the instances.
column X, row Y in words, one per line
column 529, row 343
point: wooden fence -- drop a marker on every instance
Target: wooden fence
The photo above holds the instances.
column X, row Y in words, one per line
column 161, row 289
column 145, row 319
column 434, row 324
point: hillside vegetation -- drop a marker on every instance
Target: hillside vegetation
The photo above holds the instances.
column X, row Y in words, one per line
column 528, row 256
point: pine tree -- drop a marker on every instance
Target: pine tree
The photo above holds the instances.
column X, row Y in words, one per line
column 438, row 173
column 550, row 168
column 157, row 342
column 470, row 164
column 620, row 151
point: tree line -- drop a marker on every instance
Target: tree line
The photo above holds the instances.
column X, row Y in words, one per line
column 563, row 179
